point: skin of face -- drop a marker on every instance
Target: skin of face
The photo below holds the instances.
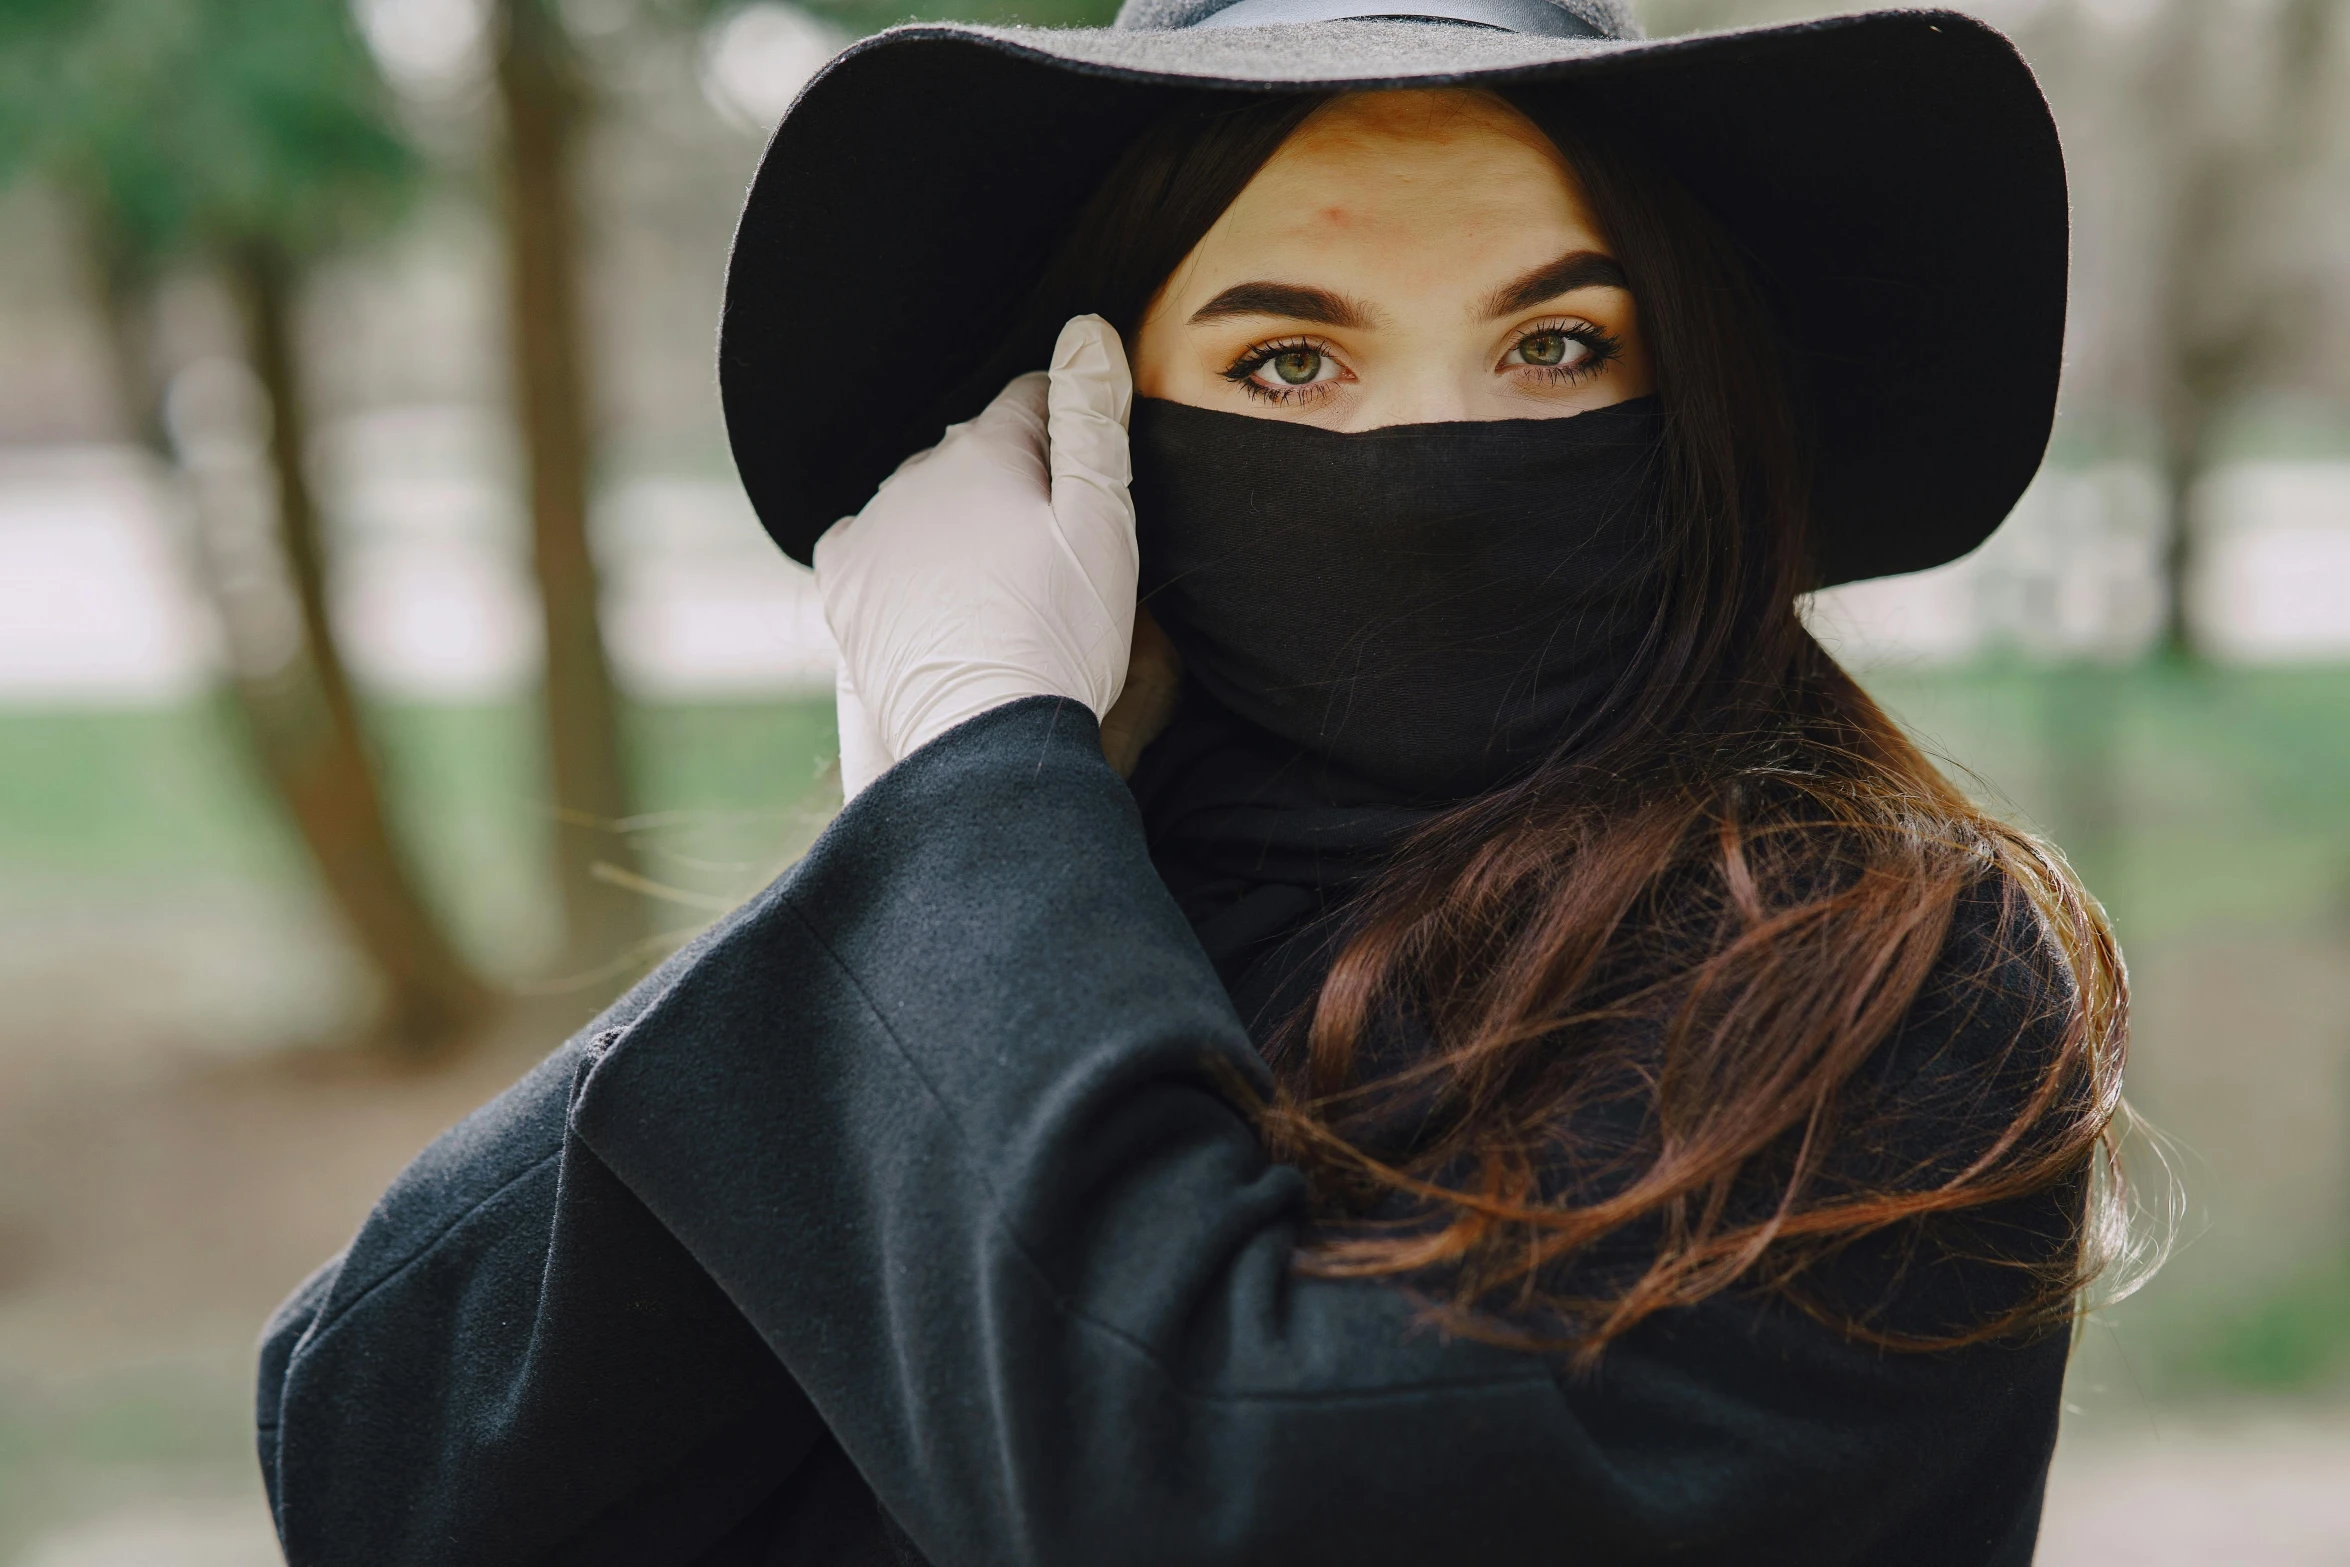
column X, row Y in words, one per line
column 1408, row 257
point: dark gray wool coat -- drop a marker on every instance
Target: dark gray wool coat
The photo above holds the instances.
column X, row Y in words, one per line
column 898, row 1219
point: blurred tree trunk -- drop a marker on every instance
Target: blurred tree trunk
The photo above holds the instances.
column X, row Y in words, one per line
column 124, row 291
column 539, row 87
column 306, row 724
column 2227, row 315
column 2208, row 331
column 299, row 714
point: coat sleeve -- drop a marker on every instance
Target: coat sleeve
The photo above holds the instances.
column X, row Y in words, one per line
column 514, row 1362
column 939, row 1114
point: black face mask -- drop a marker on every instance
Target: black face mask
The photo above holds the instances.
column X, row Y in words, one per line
column 1433, row 608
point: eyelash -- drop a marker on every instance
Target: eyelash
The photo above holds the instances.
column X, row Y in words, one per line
column 1601, row 348
column 1242, row 371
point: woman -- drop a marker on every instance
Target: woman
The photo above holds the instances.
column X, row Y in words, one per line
column 1547, row 1073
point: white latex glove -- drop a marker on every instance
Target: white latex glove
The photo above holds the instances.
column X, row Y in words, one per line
column 997, row 565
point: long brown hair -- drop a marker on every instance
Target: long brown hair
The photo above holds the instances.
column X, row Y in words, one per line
column 1698, row 920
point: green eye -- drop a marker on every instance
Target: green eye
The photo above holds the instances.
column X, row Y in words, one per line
column 1297, row 366
column 1544, row 348
column 1287, row 373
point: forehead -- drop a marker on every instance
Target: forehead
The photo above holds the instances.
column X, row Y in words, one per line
column 1425, row 124
column 1373, row 177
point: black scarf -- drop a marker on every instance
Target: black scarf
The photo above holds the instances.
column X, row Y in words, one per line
column 1374, row 627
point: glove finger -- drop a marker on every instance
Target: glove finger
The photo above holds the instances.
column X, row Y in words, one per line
column 1089, row 365
column 1091, row 395
column 1011, row 429
column 1090, row 398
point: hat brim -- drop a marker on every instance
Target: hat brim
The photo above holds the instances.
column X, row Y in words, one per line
column 1894, row 178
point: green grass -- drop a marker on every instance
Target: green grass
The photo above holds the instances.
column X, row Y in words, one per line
column 2186, row 796
column 2189, row 794
column 150, row 795
column 101, row 806
column 2296, row 1337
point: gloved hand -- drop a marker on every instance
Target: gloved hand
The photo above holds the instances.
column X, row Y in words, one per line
column 999, row 564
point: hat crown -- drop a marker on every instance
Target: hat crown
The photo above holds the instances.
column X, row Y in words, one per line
column 1583, row 18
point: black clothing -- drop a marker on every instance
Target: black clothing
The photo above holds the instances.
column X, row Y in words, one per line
column 1260, row 842
column 1433, row 607
column 902, row 1212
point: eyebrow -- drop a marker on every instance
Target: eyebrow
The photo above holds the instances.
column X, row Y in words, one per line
column 1576, row 269
column 1292, row 301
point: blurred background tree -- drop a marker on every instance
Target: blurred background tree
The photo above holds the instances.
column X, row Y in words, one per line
column 247, row 137
column 544, row 94
column 549, row 91
column 2242, row 133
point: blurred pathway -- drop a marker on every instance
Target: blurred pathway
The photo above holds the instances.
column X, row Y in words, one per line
column 154, row 1206
column 2255, row 1490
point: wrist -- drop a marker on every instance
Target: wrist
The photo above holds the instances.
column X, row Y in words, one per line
column 956, row 695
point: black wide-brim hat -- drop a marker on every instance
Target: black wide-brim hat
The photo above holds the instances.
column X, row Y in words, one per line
column 1893, row 178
